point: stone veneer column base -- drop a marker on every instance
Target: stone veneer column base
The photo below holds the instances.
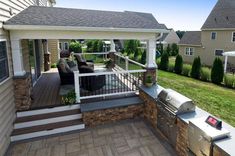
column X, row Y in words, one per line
column 23, row 92
column 150, row 72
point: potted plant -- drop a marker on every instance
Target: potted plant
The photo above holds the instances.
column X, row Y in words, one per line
column 69, row 98
column 149, row 81
column 109, row 63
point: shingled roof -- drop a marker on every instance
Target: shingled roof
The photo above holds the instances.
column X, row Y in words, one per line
column 52, row 16
column 191, row 38
column 222, row 15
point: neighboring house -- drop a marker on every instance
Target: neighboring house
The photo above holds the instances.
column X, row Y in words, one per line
column 168, row 38
column 217, row 35
column 8, row 9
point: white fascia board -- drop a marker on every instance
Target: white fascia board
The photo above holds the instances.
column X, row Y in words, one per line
column 43, row 27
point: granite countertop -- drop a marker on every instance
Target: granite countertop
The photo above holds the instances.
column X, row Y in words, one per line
column 227, row 145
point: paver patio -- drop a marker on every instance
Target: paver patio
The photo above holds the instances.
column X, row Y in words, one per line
column 128, row 138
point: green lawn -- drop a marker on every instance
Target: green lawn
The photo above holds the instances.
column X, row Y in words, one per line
column 217, row 100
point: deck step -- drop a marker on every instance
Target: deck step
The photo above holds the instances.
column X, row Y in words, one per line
column 47, row 110
column 47, row 129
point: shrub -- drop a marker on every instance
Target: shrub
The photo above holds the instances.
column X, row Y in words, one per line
column 75, row 47
column 164, row 61
column 143, row 57
column 69, row 98
column 171, row 67
column 178, row 64
column 205, row 74
column 196, row 68
column 100, row 46
column 229, row 80
column 53, row 65
column 186, row 69
column 174, row 49
column 158, row 61
column 217, row 72
column 168, row 49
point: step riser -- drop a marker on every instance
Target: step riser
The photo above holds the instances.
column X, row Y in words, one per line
column 46, row 133
column 47, row 110
column 47, row 121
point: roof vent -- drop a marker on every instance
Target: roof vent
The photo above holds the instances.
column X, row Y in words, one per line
column 215, row 20
column 227, row 18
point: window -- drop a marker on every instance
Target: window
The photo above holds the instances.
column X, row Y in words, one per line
column 233, row 37
column 213, row 35
column 60, row 46
column 66, row 46
column 219, row 52
column 4, row 70
column 189, row 51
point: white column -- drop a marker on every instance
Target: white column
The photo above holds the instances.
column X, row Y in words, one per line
column 225, row 64
column 18, row 64
column 151, row 54
column 112, row 46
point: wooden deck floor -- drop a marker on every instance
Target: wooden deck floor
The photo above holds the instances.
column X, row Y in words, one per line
column 46, row 90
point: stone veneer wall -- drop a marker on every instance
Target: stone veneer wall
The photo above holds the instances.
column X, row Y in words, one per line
column 218, row 152
column 150, row 109
column 182, row 138
column 100, row 117
column 23, row 92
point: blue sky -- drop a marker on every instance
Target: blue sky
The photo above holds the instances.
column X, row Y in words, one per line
column 176, row 14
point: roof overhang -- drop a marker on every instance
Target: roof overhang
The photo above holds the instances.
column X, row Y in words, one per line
column 219, row 29
column 192, row 45
column 91, row 29
column 229, row 53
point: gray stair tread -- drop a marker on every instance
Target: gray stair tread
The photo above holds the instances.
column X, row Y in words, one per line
column 47, row 116
column 46, row 127
column 107, row 104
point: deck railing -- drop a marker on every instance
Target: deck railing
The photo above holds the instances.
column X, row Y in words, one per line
column 118, row 81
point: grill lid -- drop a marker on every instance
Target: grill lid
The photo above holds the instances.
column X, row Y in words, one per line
column 175, row 101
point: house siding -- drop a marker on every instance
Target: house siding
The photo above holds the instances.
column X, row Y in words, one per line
column 9, row 8
column 53, row 48
column 189, row 59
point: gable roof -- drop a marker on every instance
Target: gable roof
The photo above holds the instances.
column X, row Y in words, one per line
column 52, row 16
column 222, row 15
column 191, row 38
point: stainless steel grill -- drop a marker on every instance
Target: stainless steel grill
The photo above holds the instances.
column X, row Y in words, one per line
column 175, row 102
column 170, row 104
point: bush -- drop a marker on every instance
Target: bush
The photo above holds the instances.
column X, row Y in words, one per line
column 158, row 61
column 164, row 61
column 217, row 72
column 205, row 74
column 143, row 57
column 178, row 64
column 196, row 68
column 186, row 69
column 229, row 80
column 168, row 49
column 171, row 67
column 174, row 49
column 75, row 47
column 53, row 65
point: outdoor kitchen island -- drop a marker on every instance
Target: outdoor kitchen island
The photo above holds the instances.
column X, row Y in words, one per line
column 223, row 147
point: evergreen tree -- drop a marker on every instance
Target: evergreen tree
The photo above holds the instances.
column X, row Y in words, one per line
column 217, row 71
column 178, row 64
column 164, row 61
column 196, row 68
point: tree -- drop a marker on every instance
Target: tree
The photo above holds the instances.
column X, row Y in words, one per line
column 178, row 64
column 95, row 47
column 174, row 49
column 196, row 68
column 131, row 46
column 168, row 50
column 89, row 44
column 180, row 33
column 160, row 47
column 143, row 57
column 217, row 71
column 75, row 47
column 164, row 61
column 100, row 46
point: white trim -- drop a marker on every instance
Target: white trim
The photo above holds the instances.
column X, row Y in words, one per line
column 1, row 83
column 47, row 121
column 216, row 29
column 47, row 110
column 43, row 27
column 104, row 95
column 232, row 37
column 45, row 133
column 215, row 36
column 137, row 63
column 218, row 55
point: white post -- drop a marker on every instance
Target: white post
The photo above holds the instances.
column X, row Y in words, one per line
column 151, row 53
column 225, row 64
column 127, row 62
column 112, row 46
column 17, row 57
column 77, row 86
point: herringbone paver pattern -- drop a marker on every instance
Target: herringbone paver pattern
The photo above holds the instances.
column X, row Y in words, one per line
column 132, row 138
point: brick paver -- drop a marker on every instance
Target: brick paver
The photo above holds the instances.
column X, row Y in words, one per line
column 130, row 138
